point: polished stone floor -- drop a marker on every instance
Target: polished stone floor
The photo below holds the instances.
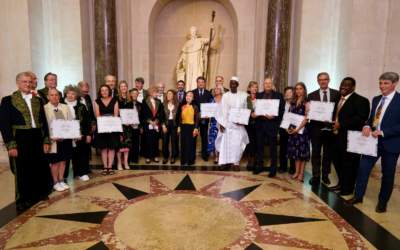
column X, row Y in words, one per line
column 175, row 209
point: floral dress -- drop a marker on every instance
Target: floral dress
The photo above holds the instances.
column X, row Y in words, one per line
column 299, row 144
column 212, row 134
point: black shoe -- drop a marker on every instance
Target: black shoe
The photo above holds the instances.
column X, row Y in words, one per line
column 314, row 181
column 380, row 208
column 344, row 193
column 205, row 158
column 272, row 174
column 257, row 170
column 164, row 161
column 335, row 188
column 326, row 181
column 44, row 198
column 354, row 201
column 172, row 161
column 282, row 170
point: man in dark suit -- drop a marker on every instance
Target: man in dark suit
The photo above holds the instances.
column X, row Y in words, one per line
column 321, row 132
column 143, row 93
column 267, row 129
column 202, row 95
column 50, row 82
column 384, row 124
column 25, row 132
column 111, row 81
column 351, row 113
column 180, row 92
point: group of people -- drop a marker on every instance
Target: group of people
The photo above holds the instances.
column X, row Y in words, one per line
column 174, row 117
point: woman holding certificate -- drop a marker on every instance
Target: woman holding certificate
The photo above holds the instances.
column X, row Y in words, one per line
column 299, row 141
column 251, row 148
column 61, row 149
column 106, row 105
column 124, row 102
column 213, row 130
column 169, row 127
column 81, row 147
column 152, row 116
column 188, row 117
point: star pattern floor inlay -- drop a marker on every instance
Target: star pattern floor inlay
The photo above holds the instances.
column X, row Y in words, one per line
column 182, row 210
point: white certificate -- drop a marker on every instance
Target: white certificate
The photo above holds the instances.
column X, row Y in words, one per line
column 321, row 111
column 65, row 129
column 109, row 124
column 208, row 109
column 267, row 107
column 239, row 115
column 290, row 118
column 129, row 116
column 357, row 143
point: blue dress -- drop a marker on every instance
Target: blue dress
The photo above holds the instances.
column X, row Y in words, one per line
column 299, row 144
column 212, row 134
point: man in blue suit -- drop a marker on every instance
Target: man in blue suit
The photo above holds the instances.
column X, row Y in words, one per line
column 384, row 124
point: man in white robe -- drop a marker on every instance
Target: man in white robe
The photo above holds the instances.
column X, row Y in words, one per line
column 232, row 137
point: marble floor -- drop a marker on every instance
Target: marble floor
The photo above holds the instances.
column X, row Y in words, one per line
column 197, row 209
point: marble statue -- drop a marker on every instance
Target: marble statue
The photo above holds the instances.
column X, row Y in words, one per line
column 193, row 59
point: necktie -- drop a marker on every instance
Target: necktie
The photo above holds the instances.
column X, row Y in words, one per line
column 378, row 113
column 180, row 96
column 325, row 97
column 339, row 107
column 201, row 93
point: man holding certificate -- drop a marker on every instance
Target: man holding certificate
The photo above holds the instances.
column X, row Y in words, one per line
column 267, row 126
column 351, row 112
column 384, row 124
column 232, row 139
column 321, row 131
column 201, row 95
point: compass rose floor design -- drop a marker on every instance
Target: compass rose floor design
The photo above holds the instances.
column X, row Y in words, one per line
column 183, row 210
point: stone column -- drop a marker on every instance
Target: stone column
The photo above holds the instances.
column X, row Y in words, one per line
column 105, row 39
column 278, row 42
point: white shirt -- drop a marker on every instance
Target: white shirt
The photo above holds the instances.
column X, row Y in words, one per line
column 385, row 105
column 321, row 94
column 171, row 108
column 287, row 106
column 140, row 96
column 71, row 106
column 27, row 99
column 83, row 101
column 160, row 97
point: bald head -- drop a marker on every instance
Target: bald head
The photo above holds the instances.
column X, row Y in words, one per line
column 111, row 81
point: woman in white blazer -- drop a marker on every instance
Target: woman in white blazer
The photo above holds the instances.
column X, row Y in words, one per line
column 61, row 150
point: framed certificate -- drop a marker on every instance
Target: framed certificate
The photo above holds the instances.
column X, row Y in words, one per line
column 65, row 129
column 359, row 144
column 321, row 111
column 267, row 107
column 208, row 109
column 290, row 118
column 129, row 116
column 109, row 124
column 239, row 115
